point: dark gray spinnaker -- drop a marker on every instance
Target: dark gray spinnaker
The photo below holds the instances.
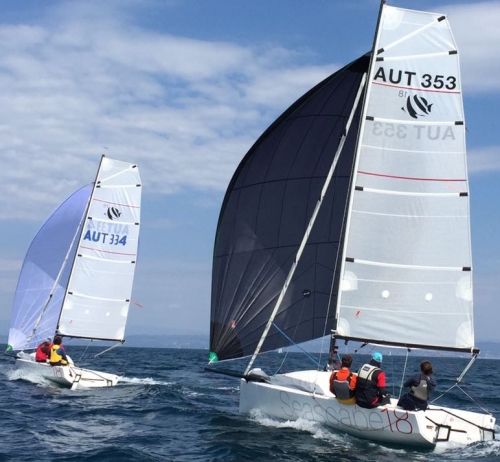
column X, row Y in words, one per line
column 265, row 213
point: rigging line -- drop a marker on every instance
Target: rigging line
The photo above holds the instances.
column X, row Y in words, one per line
column 473, row 399
column 310, row 225
column 108, row 349
column 444, row 393
column 312, row 358
column 330, row 296
column 404, row 372
column 84, row 351
column 282, row 362
column 294, row 333
column 330, row 303
column 465, row 393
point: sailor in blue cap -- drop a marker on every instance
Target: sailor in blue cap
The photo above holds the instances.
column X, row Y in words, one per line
column 370, row 388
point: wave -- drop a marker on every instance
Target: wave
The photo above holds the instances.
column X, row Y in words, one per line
column 143, row 381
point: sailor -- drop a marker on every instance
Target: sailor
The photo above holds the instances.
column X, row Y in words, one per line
column 43, row 351
column 343, row 382
column 57, row 354
column 421, row 387
column 370, row 386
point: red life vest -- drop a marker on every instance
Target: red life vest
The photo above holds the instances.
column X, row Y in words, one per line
column 42, row 352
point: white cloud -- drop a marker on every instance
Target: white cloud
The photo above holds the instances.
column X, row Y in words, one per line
column 185, row 110
column 7, row 265
column 484, row 160
column 475, row 26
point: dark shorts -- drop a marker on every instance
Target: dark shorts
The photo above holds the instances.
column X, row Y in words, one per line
column 409, row 403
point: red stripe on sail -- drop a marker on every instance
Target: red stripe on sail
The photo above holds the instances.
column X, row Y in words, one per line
column 430, row 90
column 411, row 178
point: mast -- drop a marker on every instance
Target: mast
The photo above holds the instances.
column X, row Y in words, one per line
column 79, row 238
column 333, row 346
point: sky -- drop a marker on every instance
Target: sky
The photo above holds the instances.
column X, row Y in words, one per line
column 183, row 88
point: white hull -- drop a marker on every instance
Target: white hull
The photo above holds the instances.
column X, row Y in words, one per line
column 306, row 395
column 66, row 376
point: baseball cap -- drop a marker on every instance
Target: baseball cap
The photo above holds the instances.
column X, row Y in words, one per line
column 377, row 357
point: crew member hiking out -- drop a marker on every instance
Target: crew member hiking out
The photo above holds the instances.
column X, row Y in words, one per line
column 421, row 387
column 370, row 386
column 57, row 354
column 343, row 382
column 43, row 351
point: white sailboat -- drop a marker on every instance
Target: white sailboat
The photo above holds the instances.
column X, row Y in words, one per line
column 350, row 215
column 77, row 276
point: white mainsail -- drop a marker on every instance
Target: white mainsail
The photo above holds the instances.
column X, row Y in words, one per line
column 401, row 286
column 99, row 290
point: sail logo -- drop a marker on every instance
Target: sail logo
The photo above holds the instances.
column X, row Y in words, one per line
column 417, row 106
column 113, row 213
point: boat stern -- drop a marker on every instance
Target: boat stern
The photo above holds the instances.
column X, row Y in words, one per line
column 455, row 426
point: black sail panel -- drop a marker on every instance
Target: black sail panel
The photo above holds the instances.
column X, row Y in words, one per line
column 264, row 216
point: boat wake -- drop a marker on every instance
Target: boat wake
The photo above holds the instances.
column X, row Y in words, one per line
column 30, row 376
column 489, row 450
column 146, row 381
column 314, row 428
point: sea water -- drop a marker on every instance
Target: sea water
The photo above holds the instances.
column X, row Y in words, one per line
column 167, row 408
